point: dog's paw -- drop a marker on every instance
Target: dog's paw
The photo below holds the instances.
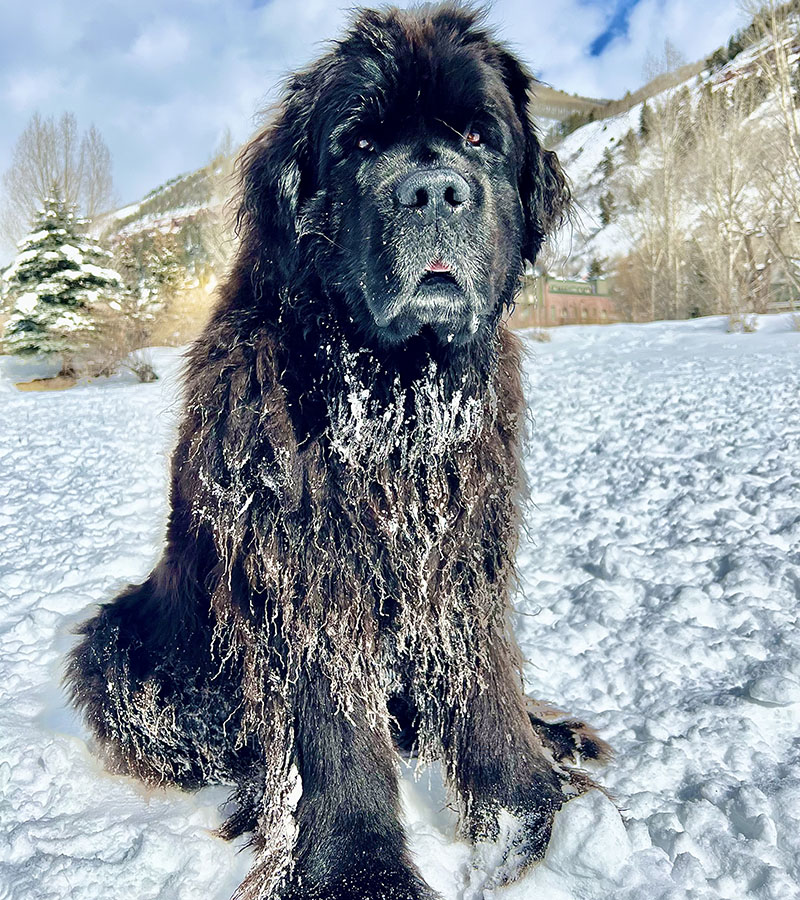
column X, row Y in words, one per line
column 383, row 882
column 567, row 739
column 520, row 843
column 509, row 839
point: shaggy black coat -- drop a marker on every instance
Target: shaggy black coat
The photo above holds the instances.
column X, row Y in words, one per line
column 346, row 481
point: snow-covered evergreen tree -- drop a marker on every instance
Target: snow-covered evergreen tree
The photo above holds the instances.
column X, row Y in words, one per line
column 59, row 287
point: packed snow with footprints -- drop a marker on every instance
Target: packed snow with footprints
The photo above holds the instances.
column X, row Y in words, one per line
column 659, row 599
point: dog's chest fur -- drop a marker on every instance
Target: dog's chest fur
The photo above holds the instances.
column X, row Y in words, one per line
column 427, row 480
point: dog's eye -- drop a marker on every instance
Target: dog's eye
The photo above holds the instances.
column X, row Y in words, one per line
column 473, row 137
column 364, row 144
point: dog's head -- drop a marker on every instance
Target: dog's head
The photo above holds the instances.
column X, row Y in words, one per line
column 404, row 168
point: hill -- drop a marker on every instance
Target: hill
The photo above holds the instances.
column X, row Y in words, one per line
column 582, row 151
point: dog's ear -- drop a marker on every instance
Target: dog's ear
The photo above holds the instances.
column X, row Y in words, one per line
column 275, row 172
column 543, row 186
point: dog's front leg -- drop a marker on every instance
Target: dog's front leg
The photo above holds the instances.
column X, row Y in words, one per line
column 350, row 843
column 508, row 786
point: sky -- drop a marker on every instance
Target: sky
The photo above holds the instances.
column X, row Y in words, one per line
column 163, row 79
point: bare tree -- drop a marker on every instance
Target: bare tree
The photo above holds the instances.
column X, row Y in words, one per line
column 221, row 168
column 51, row 153
column 218, row 229
column 631, row 288
column 97, row 186
column 659, row 201
column 712, row 210
column 663, row 63
column 779, row 162
column 724, row 169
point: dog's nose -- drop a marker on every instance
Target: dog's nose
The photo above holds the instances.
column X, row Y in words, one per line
column 436, row 192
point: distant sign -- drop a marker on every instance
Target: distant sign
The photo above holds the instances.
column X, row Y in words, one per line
column 570, row 287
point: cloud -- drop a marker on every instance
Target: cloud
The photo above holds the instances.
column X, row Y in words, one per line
column 162, row 86
column 161, row 45
column 694, row 29
column 27, row 90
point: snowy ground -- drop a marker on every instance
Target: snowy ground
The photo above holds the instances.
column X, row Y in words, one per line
column 661, row 585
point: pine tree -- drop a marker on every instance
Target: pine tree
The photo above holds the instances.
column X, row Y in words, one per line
column 596, row 268
column 645, row 122
column 607, row 163
column 56, row 287
column 734, row 46
column 717, row 60
column 607, row 208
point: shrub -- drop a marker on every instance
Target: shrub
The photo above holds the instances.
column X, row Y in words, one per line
column 742, row 323
column 140, row 363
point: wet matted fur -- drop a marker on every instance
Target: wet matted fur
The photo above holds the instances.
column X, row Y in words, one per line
column 346, row 482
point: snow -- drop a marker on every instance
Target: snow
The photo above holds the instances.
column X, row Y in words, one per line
column 580, row 154
column 658, row 600
column 35, row 237
column 126, row 211
column 27, row 302
column 72, row 253
column 98, row 272
column 73, row 319
column 165, row 221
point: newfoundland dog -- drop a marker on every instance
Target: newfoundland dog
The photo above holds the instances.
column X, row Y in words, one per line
column 345, row 487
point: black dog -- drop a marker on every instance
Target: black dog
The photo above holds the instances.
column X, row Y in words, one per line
column 346, row 483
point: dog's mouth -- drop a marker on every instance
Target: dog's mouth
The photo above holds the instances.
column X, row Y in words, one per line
column 440, row 302
column 438, row 278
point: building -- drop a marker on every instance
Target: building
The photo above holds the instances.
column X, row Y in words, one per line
column 545, row 302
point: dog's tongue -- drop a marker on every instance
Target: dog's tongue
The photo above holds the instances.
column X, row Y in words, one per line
column 438, row 266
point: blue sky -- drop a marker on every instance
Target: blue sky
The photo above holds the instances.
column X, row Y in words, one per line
column 618, row 14
column 163, row 79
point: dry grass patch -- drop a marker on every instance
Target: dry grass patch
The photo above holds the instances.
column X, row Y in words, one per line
column 56, row 383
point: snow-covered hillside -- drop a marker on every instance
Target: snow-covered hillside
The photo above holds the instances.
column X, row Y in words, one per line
column 581, row 153
column 660, row 600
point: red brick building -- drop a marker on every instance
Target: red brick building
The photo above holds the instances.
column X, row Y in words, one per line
column 545, row 302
